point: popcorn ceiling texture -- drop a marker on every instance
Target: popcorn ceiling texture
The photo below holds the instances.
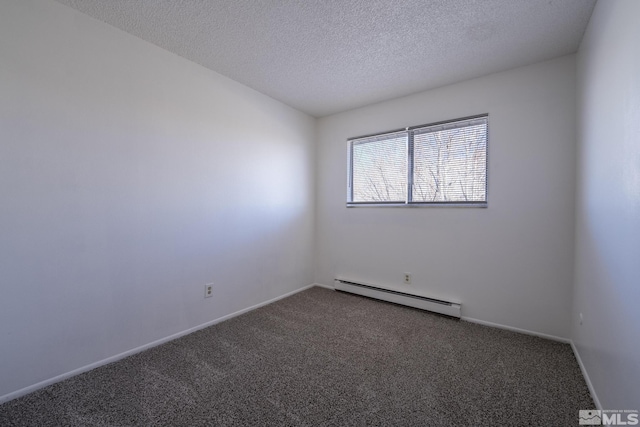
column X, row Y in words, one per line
column 323, row 57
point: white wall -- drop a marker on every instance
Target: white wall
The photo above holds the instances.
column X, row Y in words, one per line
column 607, row 287
column 511, row 263
column 129, row 178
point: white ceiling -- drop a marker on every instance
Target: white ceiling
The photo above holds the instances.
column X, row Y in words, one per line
column 327, row 56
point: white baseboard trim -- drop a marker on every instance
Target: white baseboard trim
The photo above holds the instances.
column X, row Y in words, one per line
column 585, row 375
column 592, row 390
column 511, row 328
column 494, row 325
column 58, row 378
column 29, row 389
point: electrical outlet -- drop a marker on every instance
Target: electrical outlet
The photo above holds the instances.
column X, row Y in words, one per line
column 581, row 318
column 407, row 278
column 208, row 290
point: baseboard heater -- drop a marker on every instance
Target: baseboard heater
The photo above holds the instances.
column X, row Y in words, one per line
column 398, row 297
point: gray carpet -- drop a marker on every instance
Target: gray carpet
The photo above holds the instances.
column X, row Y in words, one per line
column 324, row 358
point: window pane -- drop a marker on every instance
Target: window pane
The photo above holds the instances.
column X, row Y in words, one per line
column 379, row 169
column 450, row 162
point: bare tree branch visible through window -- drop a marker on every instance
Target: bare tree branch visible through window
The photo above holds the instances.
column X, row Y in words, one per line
column 380, row 170
column 449, row 164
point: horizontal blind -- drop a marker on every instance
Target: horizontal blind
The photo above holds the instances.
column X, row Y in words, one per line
column 450, row 162
column 379, row 169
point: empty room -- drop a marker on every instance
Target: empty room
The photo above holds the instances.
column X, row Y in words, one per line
column 319, row 213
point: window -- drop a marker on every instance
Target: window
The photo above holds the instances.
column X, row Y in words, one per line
column 438, row 164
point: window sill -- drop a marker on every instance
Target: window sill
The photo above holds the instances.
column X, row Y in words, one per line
column 418, row 205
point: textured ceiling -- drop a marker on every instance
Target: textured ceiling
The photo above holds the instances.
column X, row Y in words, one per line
column 326, row 56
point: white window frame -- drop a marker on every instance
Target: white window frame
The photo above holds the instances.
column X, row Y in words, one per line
column 410, row 162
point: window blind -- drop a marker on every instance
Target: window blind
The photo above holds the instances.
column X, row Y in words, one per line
column 429, row 164
column 450, row 162
column 379, row 169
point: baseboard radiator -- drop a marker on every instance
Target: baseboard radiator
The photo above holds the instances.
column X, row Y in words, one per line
column 417, row 301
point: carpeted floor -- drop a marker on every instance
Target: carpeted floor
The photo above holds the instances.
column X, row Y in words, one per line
column 324, row 358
